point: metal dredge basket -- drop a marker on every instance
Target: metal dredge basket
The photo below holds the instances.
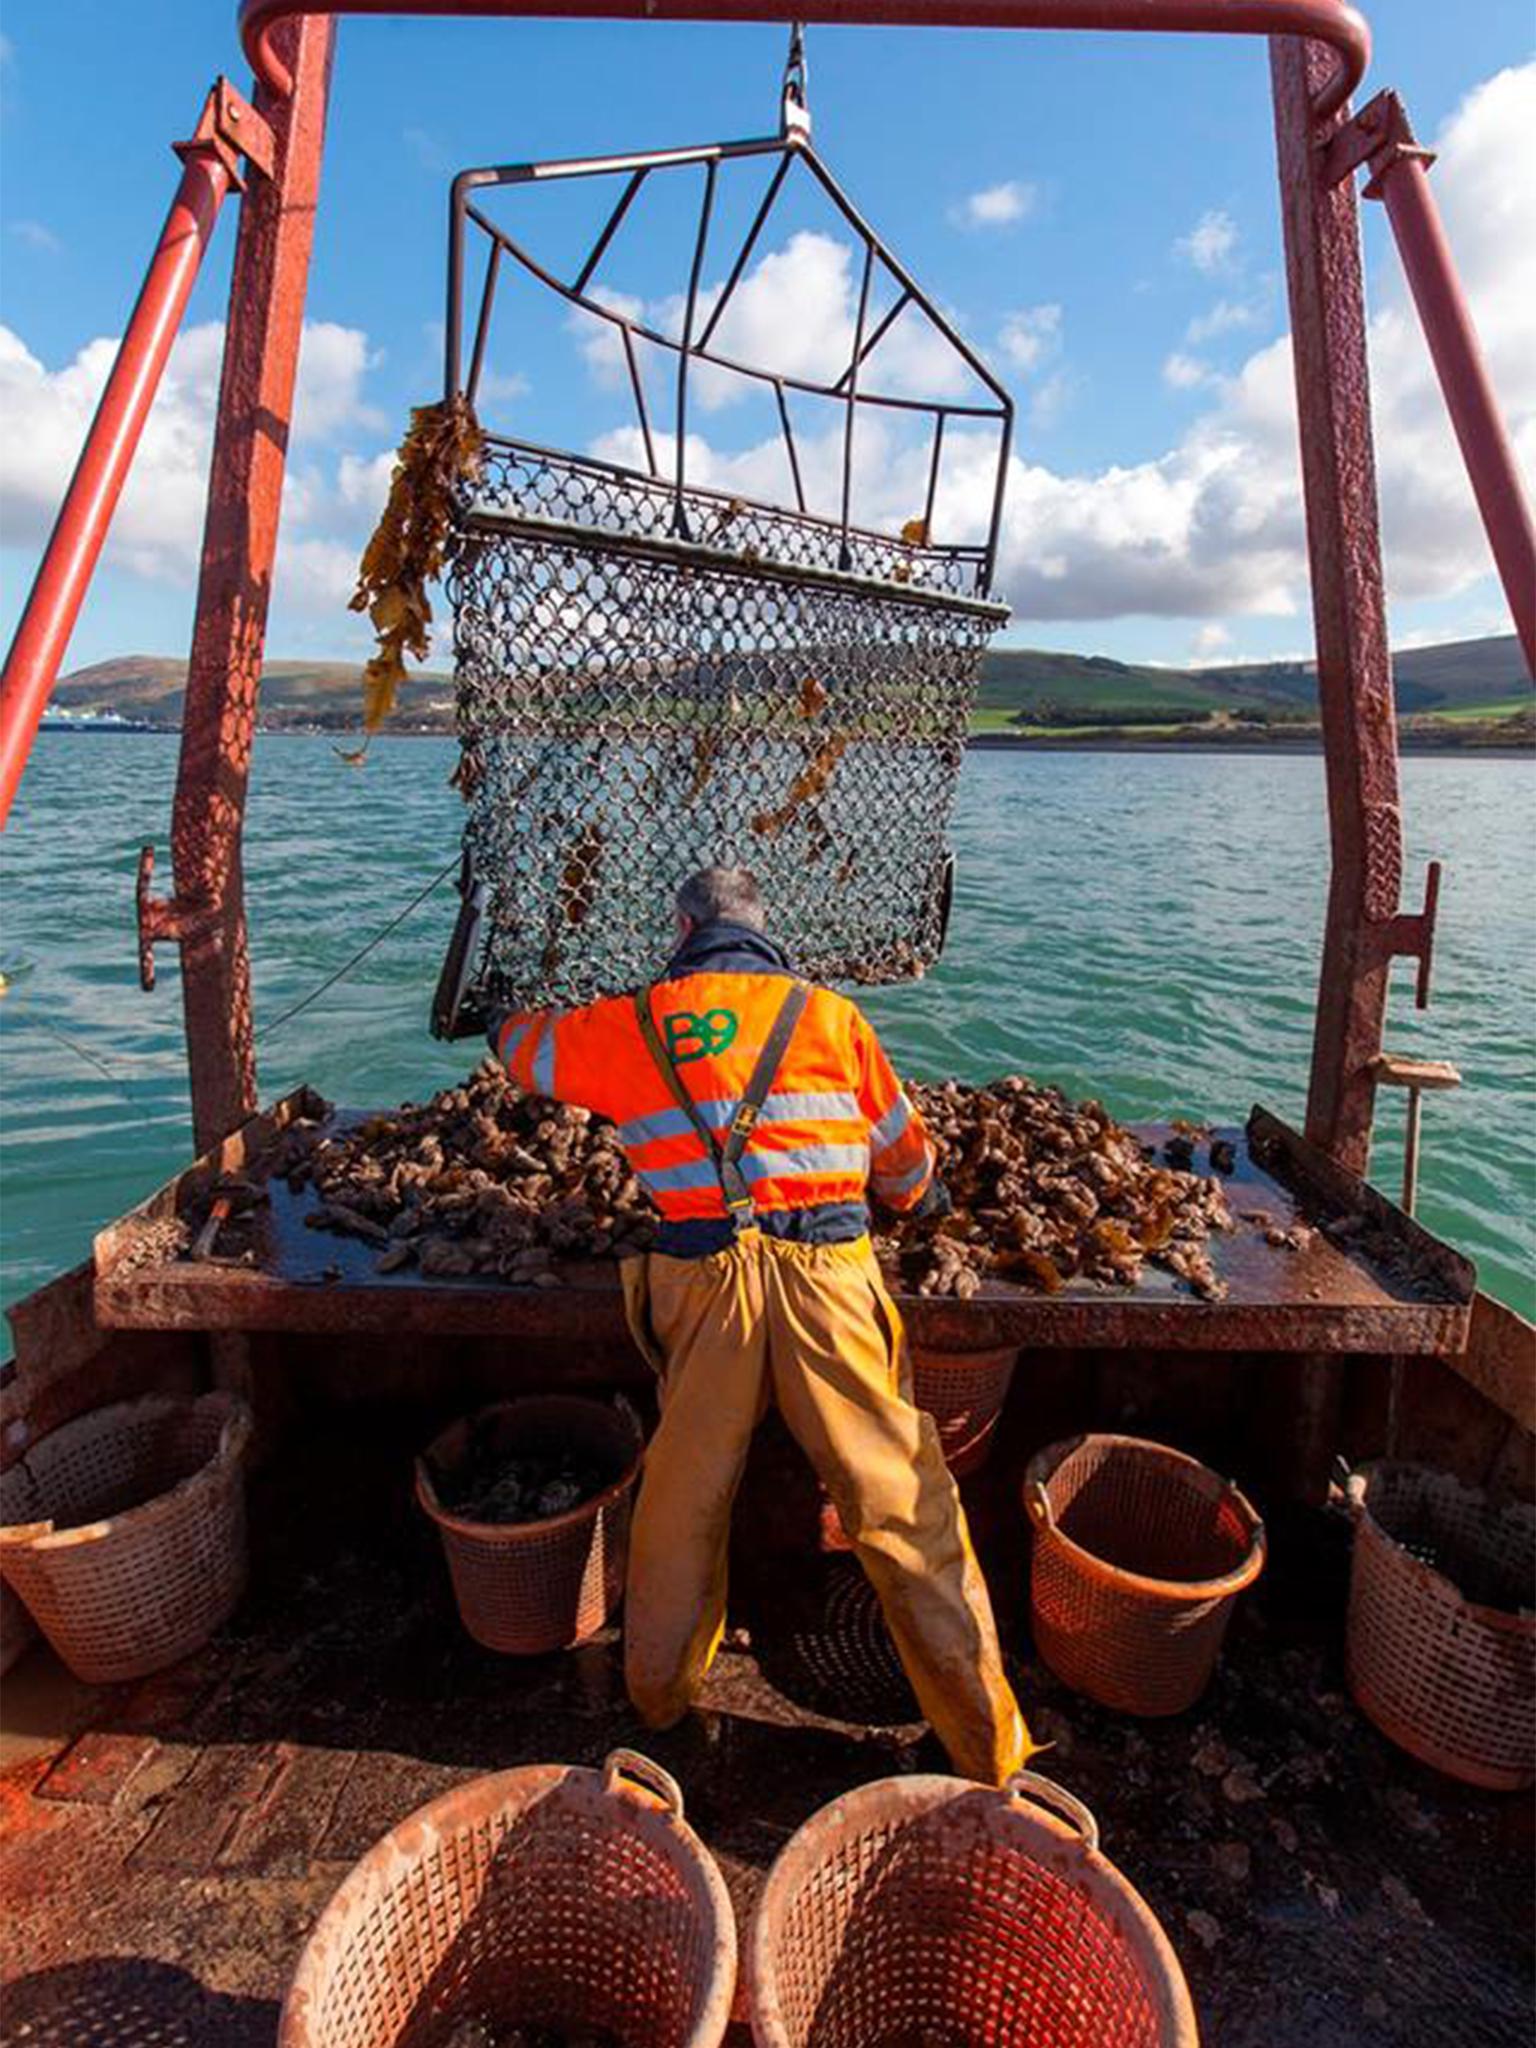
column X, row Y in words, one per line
column 654, row 675
column 532, row 1587
column 964, row 1392
column 1441, row 1644
column 124, row 1532
column 928, row 1909
column 1140, row 1553
column 546, row 1897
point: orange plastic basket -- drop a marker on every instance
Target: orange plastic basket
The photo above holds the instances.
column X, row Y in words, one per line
column 545, row 1897
column 124, row 1532
column 532, row 1587
column 1441, row 1644
column 964, row 1392
column 1139, row 1555
column 927, row 1909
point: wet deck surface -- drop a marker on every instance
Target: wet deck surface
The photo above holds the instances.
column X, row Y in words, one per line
column 166, row 1848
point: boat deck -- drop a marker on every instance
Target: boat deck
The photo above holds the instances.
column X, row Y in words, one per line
column 167, row 1845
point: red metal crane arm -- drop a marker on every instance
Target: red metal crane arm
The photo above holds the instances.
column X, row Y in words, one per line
column 1332, row 22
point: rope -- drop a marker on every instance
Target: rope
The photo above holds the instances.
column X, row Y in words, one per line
column 363, row 951
column 81, row 1052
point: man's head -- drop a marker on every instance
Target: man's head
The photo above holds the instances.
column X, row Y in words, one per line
column 720, row 896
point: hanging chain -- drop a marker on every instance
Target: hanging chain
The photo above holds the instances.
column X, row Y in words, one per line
column 795, row 118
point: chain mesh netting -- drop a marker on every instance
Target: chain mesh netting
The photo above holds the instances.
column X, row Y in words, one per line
column 633, row 706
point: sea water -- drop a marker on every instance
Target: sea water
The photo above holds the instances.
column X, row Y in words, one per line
column 1144, row 928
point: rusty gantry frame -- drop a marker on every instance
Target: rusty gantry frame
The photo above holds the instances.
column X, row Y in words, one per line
column 273, row 146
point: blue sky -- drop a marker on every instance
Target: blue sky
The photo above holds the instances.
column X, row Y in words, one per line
column 1099, row 213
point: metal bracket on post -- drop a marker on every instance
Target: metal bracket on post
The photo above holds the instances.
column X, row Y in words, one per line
column 234, row 132
column 1412, row 935
column 1413, row 938
column 1380, row 135
column 161, row 918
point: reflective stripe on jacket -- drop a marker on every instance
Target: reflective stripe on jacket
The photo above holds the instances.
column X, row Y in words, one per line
column 836, row 1121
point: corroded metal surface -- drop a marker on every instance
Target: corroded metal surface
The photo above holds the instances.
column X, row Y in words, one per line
column 266, row 313
column 1320, row 1297
column 1323, row 269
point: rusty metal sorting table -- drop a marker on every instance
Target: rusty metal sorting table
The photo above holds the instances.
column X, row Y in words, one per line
column 1378, row 1284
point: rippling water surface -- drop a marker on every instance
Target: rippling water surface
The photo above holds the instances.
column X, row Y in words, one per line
column 1138, row 927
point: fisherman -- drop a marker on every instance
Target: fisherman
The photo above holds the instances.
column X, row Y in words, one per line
column 759, row 1112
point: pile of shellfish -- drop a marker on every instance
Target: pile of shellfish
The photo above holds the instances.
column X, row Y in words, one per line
column 483, row 1179
column 1047, row 1190
column 486, row 1180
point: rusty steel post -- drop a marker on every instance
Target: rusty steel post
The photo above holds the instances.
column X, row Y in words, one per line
column 1354, row 677
column 64, row 576
column 1401, row 181
column 261, row 349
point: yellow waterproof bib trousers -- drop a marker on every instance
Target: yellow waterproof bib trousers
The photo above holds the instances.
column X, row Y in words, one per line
column 812, row 1329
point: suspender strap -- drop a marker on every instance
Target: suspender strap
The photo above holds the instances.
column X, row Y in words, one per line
column 727, row 1155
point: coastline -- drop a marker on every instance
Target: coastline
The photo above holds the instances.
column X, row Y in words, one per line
column 1408, row 742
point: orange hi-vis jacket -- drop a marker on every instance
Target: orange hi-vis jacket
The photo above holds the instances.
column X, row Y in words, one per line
column 835, row 1122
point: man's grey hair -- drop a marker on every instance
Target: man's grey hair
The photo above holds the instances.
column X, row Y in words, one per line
column 722, row 896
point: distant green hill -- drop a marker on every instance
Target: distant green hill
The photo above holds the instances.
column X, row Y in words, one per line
column 1023, row 689
column 1462, row 672
column 327, row 694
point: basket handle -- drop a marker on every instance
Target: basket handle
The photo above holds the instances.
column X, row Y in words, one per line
column 640, row 1770
column 1038, row 1503
column 1349, row 1485
column 631, row 1414
column 1030, row 1785
column 235, row 1435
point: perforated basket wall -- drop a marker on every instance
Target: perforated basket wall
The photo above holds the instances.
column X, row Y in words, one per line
column 1139, row 1555
column 125, row 1532
column 925, row 1909
column 633, row 706
column 1441, row 1647
column 533, row 1587
column 964, row 1392
column 543, row 1898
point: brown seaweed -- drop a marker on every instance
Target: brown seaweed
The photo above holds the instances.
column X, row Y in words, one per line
column 807, row 785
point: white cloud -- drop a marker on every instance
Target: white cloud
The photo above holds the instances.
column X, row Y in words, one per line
column 1031, row 337
column 1212, row 642
column 997, row 206
column 793, row 314
column 1050, row 400
column 35, row 235
column 333, row 362
column 600, row 342
column 1210, row 530
column 495, row 388
column 1222, row 318
column 1213, row 528
column 1210, row 243
column 157, row 529
column 1185, row 373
